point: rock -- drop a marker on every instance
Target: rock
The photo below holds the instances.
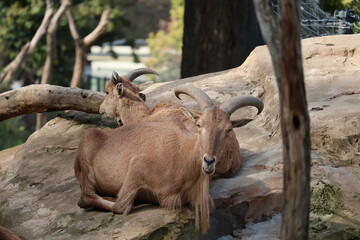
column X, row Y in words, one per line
column 39, row 192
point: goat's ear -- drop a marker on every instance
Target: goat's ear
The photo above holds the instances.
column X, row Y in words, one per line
column 120, row 89
column 142, row 96
column 192, row 116
column 240, row 122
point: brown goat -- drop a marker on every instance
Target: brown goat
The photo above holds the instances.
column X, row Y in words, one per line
column 125, row 103
column 158, row 161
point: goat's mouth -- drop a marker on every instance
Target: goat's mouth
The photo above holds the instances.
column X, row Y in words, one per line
column 208, row 171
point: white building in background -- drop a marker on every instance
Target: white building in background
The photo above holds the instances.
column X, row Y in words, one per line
column 115, row 57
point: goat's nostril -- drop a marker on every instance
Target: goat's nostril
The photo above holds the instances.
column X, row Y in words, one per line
column 209, row 161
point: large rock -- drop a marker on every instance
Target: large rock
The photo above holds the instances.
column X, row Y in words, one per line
column 39, row 191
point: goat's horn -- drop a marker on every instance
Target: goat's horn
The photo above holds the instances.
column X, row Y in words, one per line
column 197, row 94
column 235, row 103
column 115, row 78
column 140, row 71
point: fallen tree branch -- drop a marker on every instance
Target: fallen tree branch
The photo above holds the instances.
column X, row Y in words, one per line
column 46, row 98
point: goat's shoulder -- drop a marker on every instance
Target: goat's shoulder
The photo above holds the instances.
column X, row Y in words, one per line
column 94, row 133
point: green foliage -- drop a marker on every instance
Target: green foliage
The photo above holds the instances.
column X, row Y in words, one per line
column 166, row 44
column 332, row 5
column 18, row 23
column 19, row 20
column 357, row 27
column 12, row 132
column 355, row 5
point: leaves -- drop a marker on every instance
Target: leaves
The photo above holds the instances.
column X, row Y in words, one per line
column 166, row 44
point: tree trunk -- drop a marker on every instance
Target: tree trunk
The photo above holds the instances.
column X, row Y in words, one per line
column 295, row 121
column 218, row 35
column 45, row 98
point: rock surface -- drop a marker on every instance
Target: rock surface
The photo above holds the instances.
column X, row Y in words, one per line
column 39, row 192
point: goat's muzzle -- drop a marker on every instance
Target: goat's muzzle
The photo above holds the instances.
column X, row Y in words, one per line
column 208, row 165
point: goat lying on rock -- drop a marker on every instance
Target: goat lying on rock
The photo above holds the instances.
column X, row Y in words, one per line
column 125, row 103
column 157, row 161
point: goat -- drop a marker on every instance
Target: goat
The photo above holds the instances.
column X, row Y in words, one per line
column 157, row 161
column 6, row 234
column 125, row 103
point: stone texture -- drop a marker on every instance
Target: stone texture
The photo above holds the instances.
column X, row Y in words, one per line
column 38, row 191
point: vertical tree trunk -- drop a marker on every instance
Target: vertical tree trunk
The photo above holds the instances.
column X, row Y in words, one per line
column 218, row 35
column 295, row 124
column 295, row 121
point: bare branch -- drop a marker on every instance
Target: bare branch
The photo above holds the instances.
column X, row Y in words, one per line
column 13, row 67
column 59, row 13
column 51, row 41
column 100, row 28
column 45, row 98
column 74, row 33
column 43, row 26
column 82, row 44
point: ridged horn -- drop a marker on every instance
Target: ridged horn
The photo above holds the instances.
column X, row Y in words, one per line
column 138, row 72
column 197, row 94
column 235, row 103
column 115, row 78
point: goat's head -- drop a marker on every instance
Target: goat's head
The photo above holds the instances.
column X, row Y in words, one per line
column 213, row 123
column 120, row 91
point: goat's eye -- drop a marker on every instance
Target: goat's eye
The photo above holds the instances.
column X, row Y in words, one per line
column 107, row 93
column 227, row 130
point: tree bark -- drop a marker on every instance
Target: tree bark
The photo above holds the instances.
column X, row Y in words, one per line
column 218, row 35
column 81, row 45
column 49, row 62
column 11, row 70
column 295, row 121
column 45, row 98
column 51, row 41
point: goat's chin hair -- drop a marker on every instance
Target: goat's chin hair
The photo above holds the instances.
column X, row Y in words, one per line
column 202, row 203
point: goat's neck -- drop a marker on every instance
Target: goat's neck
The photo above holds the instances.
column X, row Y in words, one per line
column 192, row 154
column 134, row 113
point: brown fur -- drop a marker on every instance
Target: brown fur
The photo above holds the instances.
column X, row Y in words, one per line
column 130, row 108
column 6, row 234
column 161, row 159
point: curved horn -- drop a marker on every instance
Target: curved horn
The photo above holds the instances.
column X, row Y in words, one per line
column 235, row 103
column 115, row 78
column 197, row 94
column 140, row 71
